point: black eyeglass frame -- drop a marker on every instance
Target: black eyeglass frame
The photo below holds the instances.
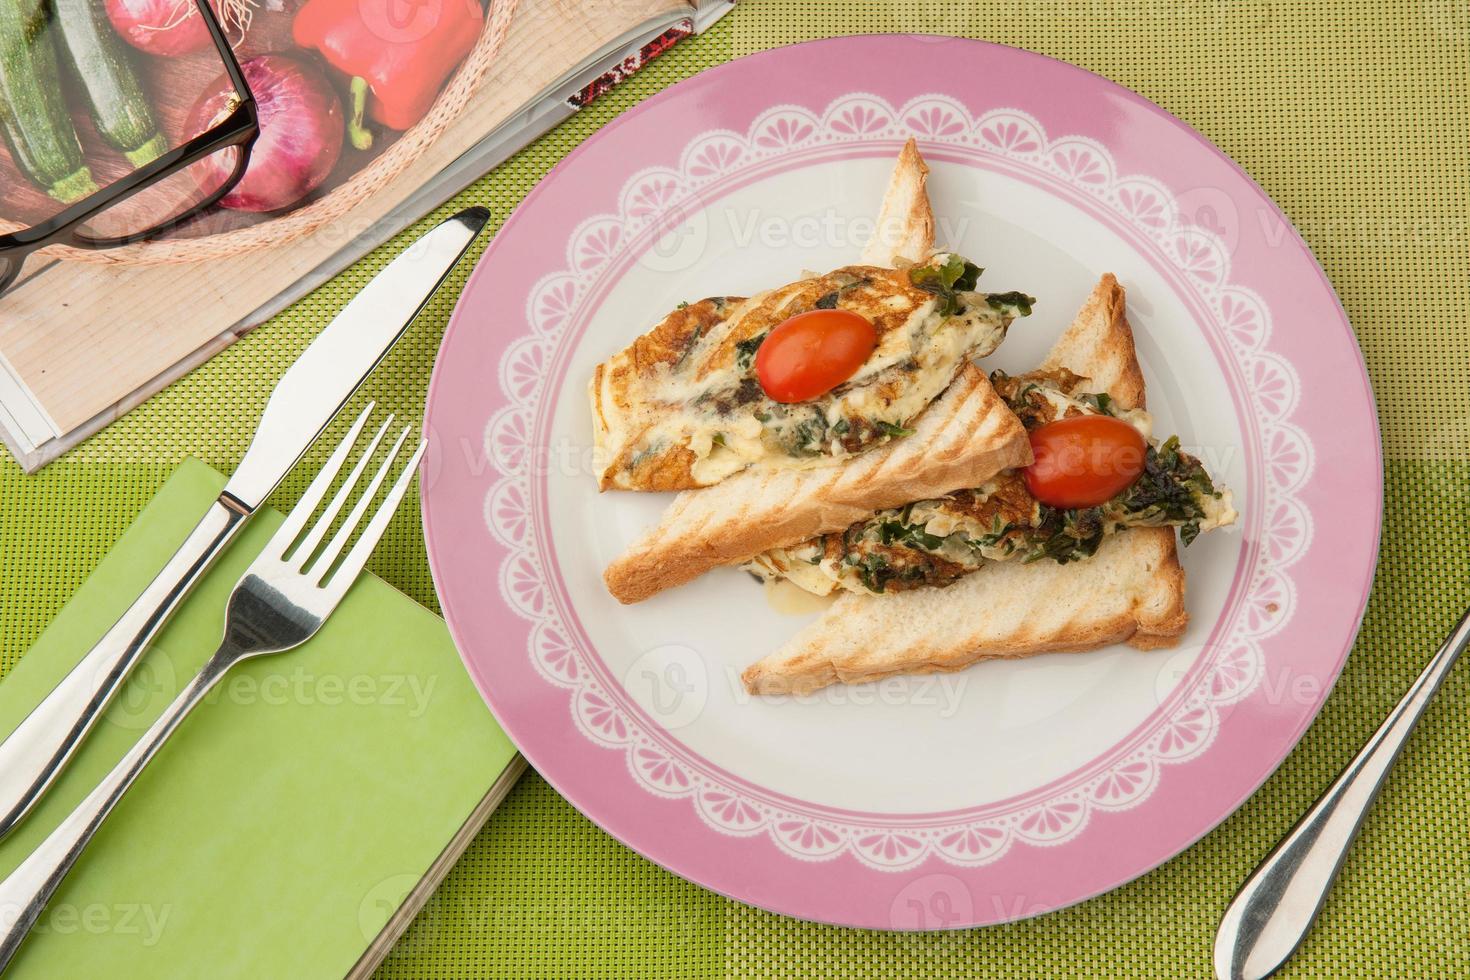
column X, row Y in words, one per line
column 239, row 129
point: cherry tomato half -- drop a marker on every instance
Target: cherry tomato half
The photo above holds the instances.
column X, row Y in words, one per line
column 812, row 353
column 1084, row 460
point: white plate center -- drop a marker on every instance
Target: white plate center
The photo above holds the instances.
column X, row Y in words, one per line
column 909, row 745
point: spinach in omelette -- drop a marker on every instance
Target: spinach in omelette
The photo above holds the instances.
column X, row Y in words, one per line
column 682, row 407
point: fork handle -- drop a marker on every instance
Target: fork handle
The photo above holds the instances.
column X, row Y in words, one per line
column 24, row 894
column 34, row 754
column 1276, row 906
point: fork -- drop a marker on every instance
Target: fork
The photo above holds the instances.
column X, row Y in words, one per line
column 279, row 603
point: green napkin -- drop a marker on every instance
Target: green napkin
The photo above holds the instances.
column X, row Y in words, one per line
column 290, row 815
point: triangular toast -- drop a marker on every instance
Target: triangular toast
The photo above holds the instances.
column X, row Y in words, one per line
column 967, row 436
column 1131, row 591
column 963, row 439
column 905, row 226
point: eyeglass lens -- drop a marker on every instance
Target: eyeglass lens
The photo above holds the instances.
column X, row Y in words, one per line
column 94, row 90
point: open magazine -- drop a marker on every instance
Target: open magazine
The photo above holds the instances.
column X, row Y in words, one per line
column 389, row 116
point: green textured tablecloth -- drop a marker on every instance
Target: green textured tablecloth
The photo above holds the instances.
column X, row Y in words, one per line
column 1353, row 115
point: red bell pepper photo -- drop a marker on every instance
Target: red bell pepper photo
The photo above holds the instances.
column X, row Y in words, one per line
column 398, row 52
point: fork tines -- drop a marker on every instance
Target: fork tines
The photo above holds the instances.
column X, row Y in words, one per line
column 324, row 568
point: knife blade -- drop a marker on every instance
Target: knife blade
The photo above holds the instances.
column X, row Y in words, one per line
column 303, row 403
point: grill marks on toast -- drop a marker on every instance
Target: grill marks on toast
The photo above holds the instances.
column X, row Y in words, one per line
column 1131, row 591
column 963, row 439
column 1127, row 591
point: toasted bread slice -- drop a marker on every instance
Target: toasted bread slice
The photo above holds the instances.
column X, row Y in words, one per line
column 1010, row 609
column 677, row 409
column 905, row 229
column 963, row 439
column 1131, row 591
column 1099, row 346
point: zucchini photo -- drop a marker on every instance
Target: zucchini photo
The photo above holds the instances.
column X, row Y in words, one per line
column 93, row 90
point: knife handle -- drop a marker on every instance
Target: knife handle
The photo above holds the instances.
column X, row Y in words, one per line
column 26, row 890
column 40, row 747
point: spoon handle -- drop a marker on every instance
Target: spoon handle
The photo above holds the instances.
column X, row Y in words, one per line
column 1268, row 919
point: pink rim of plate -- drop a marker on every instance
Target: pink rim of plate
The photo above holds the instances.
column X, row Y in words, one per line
column 1312, row 384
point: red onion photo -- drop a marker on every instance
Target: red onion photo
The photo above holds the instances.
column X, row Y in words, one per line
column 301, row 133
column 162, row 27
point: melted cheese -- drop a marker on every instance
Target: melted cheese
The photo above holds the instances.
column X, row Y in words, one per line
column 962, row 538
column 677, row 418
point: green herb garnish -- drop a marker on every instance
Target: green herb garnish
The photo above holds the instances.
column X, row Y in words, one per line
column 808, row 436
column 1003, row 301
column 745, row 352
column 874, row 571
column 913, row 535
column 954, row 275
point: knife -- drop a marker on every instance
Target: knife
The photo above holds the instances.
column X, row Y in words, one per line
column 303, row 403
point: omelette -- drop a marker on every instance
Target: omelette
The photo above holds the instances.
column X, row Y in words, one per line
column 682, row 407
column 936, row 542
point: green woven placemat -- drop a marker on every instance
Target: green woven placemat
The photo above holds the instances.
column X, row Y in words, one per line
column 1351, row 113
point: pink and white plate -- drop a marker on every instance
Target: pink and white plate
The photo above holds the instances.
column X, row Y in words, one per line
column 1009, row 789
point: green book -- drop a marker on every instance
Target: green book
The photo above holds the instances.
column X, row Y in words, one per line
column 298, row 819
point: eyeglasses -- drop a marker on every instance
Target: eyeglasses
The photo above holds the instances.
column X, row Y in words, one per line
column 159, row 195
